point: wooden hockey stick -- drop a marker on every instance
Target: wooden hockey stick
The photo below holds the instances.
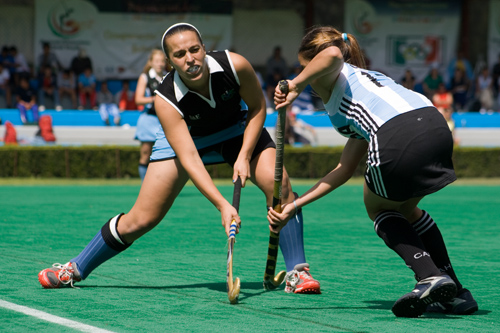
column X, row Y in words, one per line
column 233, row 288
column 271, row 281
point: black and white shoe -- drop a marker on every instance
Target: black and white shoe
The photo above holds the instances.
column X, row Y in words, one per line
column 433, row 289
column 462, row 304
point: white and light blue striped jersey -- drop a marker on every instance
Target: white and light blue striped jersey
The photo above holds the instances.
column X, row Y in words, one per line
column 362, row 101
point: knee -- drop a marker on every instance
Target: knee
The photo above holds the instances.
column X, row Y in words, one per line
column 137, row 224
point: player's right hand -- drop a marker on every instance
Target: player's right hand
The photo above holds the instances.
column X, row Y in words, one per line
column 278, row 220
column 228, row 214
column 281, row 99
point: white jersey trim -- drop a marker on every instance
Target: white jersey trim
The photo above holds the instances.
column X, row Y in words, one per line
column 169, row 102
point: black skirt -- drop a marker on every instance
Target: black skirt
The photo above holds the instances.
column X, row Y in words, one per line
column 411, row 156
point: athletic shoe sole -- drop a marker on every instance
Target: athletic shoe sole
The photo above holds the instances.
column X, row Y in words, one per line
column 412, row 306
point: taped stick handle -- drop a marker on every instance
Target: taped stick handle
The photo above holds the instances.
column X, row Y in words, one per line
column 280, row 148
column 236, row 205
column 237, row 193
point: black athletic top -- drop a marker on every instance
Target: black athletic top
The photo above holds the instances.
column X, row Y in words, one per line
column 152, row 84
column 207, row 116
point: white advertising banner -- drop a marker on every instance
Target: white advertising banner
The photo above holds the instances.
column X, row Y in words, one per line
column 412, row 34
column 117, row 43
column 494, row 33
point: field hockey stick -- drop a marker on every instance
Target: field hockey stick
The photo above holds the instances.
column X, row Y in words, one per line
column 233, row 288
column 271, row 281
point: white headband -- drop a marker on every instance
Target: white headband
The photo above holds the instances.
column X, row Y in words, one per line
column 173, row 26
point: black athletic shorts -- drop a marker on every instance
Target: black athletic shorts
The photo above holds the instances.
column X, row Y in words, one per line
column 411, row 156
column 227, row 151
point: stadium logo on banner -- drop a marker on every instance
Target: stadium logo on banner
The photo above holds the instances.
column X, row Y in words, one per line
column 67, row 19
column 363, row 19
column 415, row 50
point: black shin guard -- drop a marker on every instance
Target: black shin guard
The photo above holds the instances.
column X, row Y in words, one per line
column 399, row 235
column 111, row 236
column 433, row 241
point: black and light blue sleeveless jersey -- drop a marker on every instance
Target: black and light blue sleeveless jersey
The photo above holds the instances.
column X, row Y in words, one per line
column 207, row 116
column 152, row 83
column 362, row 101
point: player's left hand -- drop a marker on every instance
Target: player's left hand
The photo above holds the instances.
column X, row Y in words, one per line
column 241, row 169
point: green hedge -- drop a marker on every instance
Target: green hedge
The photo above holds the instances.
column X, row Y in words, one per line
column 122, row 161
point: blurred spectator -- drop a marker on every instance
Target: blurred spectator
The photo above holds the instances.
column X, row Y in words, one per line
column 87, row 89
column 276, row 70
column 303, row 102
column 431, row 82
column 67, row 87
column 20, row 64
column 484, row 90
column 81, row 62
column 26, row 100
column 5, row 85
column 47, row 58
column 47, row 87
column 495, row 73
column 461, row 62
column 8, row 61
column 442, row 98
column 459, row 87
column 126, row 97
column 269, row 104
column 408, row 80
column 443, row 101
column 107, row 105
column 294, row 129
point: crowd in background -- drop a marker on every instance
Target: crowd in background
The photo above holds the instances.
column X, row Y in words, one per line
column 50, row 85
column 457, row 87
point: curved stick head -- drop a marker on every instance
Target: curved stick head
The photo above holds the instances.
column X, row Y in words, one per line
column 272, row 284
column 234, row 293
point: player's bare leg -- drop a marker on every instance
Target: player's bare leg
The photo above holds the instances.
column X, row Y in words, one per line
column 158, row 192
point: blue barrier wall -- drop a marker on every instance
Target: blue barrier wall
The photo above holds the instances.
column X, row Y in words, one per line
column 467, row 119
column 316, row 119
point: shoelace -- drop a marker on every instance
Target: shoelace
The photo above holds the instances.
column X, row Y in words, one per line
column 292, row 277
column 65, row 274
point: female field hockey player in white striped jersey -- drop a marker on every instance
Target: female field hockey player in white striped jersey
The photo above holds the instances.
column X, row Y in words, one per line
column 409, row 148
column 202, row 122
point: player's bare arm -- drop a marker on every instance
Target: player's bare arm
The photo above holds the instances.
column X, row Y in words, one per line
column 140, row 91
column 177, row 134
column 251, row 93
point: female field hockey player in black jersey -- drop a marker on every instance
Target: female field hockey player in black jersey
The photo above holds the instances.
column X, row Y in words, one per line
column 409, row 149
column 199, row 108
column 148, row 123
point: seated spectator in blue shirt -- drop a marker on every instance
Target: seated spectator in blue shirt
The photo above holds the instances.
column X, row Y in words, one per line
column 87, row 88
column 26, row 100
column 107, row 105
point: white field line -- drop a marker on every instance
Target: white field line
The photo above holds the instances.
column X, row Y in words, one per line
column 51, row 318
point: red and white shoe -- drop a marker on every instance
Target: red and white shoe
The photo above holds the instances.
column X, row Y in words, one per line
column 59, row 276
column 300, row 281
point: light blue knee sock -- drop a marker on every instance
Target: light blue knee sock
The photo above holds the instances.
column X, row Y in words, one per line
column 142, row 170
